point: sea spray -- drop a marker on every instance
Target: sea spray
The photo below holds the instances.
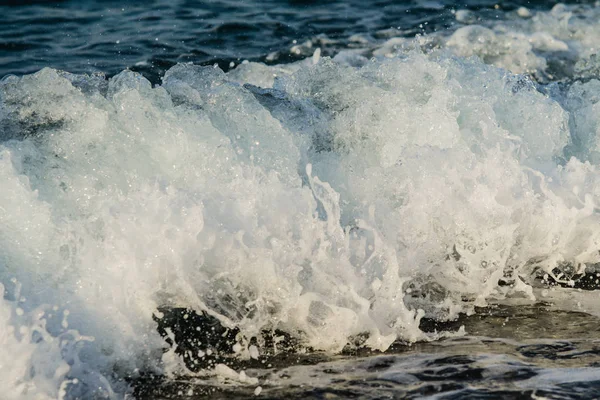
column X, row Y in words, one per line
column 341, row 203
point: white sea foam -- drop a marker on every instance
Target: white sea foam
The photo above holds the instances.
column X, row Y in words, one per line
column 547, row 45
column 331, row 202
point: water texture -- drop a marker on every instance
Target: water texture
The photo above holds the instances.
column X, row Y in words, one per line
column 150, row 37
column 363, row 213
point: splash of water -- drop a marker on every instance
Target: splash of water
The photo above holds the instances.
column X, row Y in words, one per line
column 331, row 203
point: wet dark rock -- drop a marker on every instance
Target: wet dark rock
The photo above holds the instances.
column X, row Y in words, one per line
column 566, row 275
column 199, row 338
column 202, row 341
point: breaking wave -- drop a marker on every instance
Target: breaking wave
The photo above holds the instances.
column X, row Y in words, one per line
column 336, row 200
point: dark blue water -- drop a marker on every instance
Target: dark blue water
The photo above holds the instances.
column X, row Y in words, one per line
column 149, row 37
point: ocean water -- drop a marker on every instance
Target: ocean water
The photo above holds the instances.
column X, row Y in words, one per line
column 299, row 199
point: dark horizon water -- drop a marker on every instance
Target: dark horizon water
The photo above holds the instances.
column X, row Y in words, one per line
column 110, row 36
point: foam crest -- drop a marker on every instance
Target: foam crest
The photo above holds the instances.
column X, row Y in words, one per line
column 560, row 44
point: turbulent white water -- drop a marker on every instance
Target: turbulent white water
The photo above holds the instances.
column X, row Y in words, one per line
column 329, row 202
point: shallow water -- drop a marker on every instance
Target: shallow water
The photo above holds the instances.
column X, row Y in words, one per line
column 516, row 352
column 361, row 213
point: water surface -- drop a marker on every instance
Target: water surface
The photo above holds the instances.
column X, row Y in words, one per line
column 299, row 199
